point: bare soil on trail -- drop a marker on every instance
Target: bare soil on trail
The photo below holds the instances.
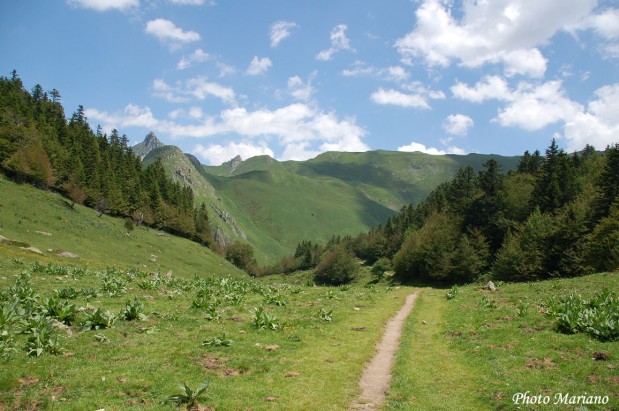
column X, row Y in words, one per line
column 376, row 377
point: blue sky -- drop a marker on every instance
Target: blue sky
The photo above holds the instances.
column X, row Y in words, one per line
column 292, row 79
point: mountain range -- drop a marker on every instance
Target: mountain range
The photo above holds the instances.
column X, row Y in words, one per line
column 273, row 205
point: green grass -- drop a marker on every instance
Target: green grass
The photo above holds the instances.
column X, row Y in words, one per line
column 316, row 363
column 475, row 351
column 471, row 356
column 27, row 215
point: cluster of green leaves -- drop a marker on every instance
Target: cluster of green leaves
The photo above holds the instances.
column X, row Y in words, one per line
column 23, row 312
column 188, row 397
column 325, row 315
column 39, row 146
column 263, row 320
column 133, row 310
column 220, row 341
column 452, row 293
column 598, row 316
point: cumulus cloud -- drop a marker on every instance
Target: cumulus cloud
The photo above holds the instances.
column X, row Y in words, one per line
column 300, row 129
column 416, row 96
column 491, row 87
column 529, row 106
column 498, row 31
column 458, row 124
column 281, row 30
column 104, row 5
column 605, row 25
column 259, row 66
column 533, row 107
column 217, row 154
column 198, row 88
column 598, row 125
column 198, row 56
column 397, row 98
column 167, row 32
column 339, row 42
column 300, row 89
column 413, row 146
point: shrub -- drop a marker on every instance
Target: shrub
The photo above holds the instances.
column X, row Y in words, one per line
column 242, row 256
column 380, row 266
column 338, row 266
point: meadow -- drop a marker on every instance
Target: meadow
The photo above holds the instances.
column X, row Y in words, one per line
column 140, row 312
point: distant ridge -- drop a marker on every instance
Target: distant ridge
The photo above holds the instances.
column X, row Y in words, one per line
column 273, row 204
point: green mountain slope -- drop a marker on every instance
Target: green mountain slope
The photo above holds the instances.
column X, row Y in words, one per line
column 274, row 205
column 46, row 221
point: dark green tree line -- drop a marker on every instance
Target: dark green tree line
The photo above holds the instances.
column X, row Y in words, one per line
column 38, row 145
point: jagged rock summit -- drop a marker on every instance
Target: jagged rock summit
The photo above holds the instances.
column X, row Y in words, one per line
column 234, row 162
column 150, row 143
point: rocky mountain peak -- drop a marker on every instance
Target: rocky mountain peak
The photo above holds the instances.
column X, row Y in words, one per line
column 235, row 162
column 150, row 143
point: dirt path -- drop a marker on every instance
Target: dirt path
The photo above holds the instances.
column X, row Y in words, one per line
column 377, row 374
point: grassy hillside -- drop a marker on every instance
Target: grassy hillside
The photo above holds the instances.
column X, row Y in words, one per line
column 32, row 217
column 291, row 208
column 227, row 217
column 334, row 193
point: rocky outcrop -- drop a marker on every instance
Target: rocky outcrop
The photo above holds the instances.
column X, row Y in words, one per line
column 227, row 218
column 150, row 143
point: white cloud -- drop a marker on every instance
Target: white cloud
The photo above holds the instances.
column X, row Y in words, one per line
column 167, row 32
column 216, row 154
column 225, row 69
column 490, row 32
column 339, row 42
column 104, row 5
column 300, row 89
column 281, row 30
column 297, row 127
column 194, row 88
column 198, row 56
column 529, row 62
column 491, row 87
column 458, row 124
column 259, row 66
column 298, row 151
column 605, row 24
column 529, row 106
column 397, row 98
column 412, row 147
column 533, row 107
column 599, row 124
column 360, row 68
